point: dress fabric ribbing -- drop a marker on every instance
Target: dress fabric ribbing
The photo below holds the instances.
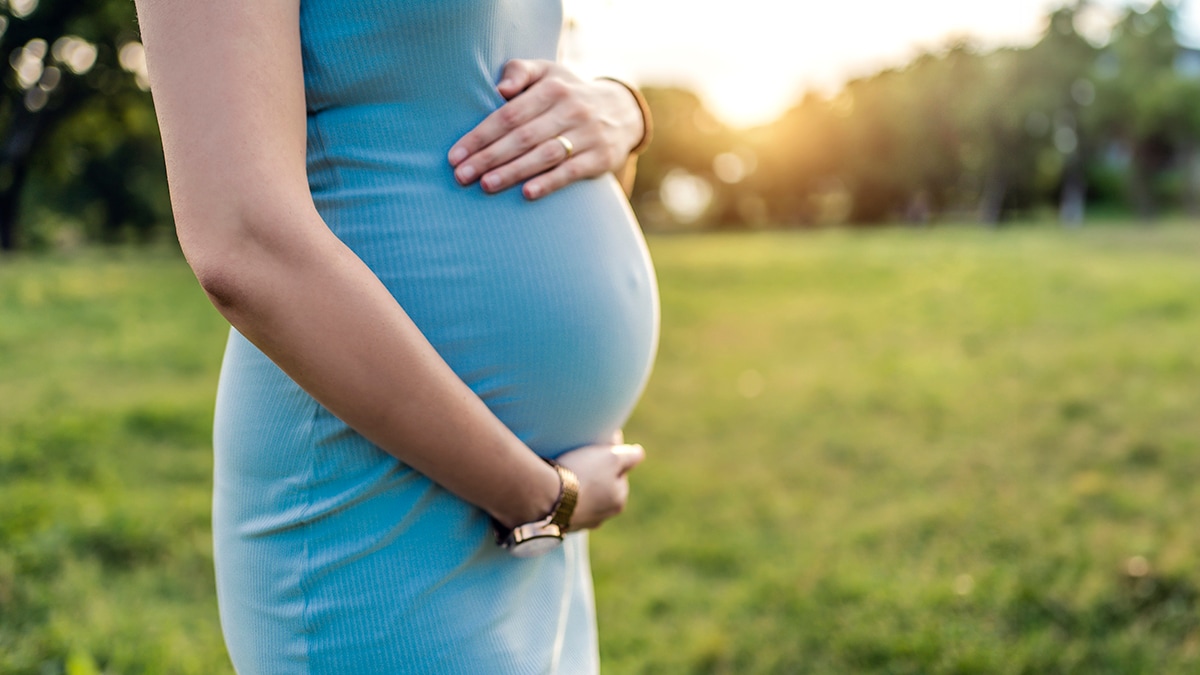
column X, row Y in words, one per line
column 331, row 555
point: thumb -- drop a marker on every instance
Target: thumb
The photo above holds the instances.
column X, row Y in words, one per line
column 628, row 456
column 519, row 74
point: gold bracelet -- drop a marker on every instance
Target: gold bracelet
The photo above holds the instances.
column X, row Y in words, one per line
column 647, row 118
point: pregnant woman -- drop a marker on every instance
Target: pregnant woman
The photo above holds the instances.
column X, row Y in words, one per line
column 407, row 213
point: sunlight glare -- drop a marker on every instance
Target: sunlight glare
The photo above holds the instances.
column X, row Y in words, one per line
column 752, row 60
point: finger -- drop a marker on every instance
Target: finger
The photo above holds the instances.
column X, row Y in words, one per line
column 628, row 456
column 502, row 121
column 520, row 154
column 618, row 437
column 580, row 166
column 622, row 496
column 541, row 159
column 519, row 74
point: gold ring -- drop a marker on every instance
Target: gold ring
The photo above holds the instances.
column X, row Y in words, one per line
column 567, row 145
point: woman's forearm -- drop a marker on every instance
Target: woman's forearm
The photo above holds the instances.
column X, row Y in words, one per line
column 228, row 85
column 296, row 292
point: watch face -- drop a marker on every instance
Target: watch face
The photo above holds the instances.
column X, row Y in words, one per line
column 535, row 546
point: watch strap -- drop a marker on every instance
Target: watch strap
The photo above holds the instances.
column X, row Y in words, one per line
column 567, row 499
column 555, row 523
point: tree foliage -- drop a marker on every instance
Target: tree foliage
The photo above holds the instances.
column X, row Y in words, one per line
column 77, row 129
column 1066, row 123
column 967, row 132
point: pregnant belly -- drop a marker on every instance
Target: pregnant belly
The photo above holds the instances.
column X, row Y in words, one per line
column 547, row 310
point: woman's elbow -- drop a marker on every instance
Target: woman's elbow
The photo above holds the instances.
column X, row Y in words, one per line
column 227, row 253
column 221, row 286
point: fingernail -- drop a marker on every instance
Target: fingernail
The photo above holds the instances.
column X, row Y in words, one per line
column 533, row 191
column 504, row 83
column 457, row 155
column 491, row 182
column 465, row 174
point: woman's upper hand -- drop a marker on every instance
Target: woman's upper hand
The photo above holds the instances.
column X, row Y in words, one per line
column 603, row 483
column 600, row 120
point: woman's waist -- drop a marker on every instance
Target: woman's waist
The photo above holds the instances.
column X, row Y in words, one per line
column 382, row 138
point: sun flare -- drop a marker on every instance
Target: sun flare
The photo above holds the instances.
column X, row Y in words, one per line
column 752, row 59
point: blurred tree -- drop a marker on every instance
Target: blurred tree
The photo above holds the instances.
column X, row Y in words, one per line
column 961, row 130
column 947, row 97
column 1146, row 104
column 996, row 154
column 686, row 135
column 876, row 129
column 75, row 113
column 913, row 139
column 1035, row 139
column 799, row 157
column 1066, row 92
column 687, row 138
column 957, row 130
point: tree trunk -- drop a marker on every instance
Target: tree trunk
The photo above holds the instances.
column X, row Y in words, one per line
column 1148, row 159
column 1191, row 200
column 1073, row 200
column 10, row 202
column 991, row 203
column 14, row 157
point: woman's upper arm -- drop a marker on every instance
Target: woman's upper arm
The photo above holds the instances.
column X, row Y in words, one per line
column 228, row 86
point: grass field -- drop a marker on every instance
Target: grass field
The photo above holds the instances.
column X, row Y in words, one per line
column 947, row 451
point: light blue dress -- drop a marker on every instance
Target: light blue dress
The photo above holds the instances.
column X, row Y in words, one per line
column 332, row 556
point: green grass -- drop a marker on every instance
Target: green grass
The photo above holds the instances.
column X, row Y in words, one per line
column 106, row 380
column 947, row 451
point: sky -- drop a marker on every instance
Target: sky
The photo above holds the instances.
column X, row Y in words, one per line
column 751, row 59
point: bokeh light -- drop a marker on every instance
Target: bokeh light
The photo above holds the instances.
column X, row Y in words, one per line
column 686, row 196
column 75, row 53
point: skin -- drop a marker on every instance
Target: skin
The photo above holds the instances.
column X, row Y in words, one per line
column 517, row 142
column 229, row 92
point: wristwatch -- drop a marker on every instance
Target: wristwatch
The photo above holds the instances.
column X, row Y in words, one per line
column 543, row 536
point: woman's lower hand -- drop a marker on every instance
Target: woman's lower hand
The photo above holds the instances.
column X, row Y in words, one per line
column 554, row 130
column 603, row 482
